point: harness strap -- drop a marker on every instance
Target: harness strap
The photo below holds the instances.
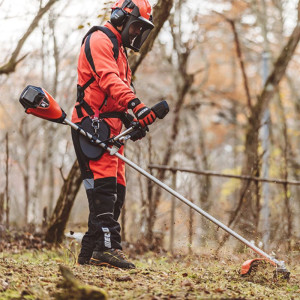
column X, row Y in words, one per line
column 88, row 83
column 80, row 99
column 124, row 117
column 80, row 89
column 111, row 36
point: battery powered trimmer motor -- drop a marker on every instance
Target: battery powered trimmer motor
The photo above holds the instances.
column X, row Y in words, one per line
column 39, row 103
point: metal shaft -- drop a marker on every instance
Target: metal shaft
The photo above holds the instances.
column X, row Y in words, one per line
column 180, row 197
column 197, row 208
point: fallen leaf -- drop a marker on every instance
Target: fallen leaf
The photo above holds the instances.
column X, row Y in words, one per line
column 124, row 278
column 186, row 283
column 219, row 290
column 164, row 274
column 145, row 273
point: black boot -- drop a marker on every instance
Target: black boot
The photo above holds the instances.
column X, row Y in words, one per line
column 114, row 258
column 83, row 260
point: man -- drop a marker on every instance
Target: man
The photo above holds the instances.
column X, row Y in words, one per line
column 104, row 93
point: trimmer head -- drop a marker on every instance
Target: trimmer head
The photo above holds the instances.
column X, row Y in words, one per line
column 281, row 271
column 280, row 268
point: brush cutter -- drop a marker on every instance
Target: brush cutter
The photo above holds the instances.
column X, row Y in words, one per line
column 40, row 103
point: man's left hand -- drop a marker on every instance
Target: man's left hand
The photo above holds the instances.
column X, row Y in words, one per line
column 145, row 115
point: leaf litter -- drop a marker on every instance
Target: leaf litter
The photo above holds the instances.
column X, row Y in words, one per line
column 35, row 274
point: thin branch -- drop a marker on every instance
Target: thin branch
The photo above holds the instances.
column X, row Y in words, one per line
column 161, row 12
column 10, row 66
column 217, row 174
column 198, row 71
column 62, row 163
column 62, row 174
column 240, row 57
column 279, row 70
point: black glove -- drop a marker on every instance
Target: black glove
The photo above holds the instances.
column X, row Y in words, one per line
column 138, row 134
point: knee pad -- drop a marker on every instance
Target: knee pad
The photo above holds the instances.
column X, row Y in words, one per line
column 103, row 197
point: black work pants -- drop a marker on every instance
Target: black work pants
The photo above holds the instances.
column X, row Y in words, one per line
column 105, row 197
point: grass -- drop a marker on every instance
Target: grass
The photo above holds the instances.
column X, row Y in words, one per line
column 35, row 275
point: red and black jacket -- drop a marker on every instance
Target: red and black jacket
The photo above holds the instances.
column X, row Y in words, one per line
column 104, row 77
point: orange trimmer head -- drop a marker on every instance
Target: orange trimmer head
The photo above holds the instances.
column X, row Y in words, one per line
column 280, row 269
column 250, row 263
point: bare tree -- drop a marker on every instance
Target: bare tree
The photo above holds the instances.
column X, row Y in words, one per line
column 285, row 150
column 51, row 127
column 161, row 13
column 7, row 204
column 183, row 80
column 250, row 166
column 25, row 167
column 10, row 66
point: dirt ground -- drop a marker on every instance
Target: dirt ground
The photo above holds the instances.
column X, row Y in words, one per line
column 34, row 273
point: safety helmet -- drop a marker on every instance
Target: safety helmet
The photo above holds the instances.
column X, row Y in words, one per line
column 136, row 19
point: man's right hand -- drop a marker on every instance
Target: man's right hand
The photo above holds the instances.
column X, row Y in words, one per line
column 144, row 114
column 138, row 134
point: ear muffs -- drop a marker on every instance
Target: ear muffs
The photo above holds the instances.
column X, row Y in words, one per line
column 118, row 17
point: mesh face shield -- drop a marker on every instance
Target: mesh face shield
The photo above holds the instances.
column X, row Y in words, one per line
column 136, row 31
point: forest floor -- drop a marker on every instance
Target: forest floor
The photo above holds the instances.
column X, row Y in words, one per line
column 36, row 274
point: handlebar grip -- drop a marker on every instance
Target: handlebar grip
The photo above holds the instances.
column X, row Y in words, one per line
column 161, row 109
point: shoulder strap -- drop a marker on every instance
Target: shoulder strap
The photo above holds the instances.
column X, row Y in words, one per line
column 112, row 38
column 87, row 50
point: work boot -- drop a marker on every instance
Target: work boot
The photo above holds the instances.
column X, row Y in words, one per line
column 83, row 260
column 114, row 258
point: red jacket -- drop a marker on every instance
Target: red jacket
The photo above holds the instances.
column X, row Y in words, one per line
column 114, row 77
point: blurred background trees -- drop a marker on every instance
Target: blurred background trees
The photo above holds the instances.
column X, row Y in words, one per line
column 211, row 61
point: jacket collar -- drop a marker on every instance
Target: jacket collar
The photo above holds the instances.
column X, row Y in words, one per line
column 115, row 31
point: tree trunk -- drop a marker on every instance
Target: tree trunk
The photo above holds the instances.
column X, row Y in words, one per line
column 7, row 182
column 183, row 81
column 251, row 167
column 245, row 206
column 182, row 88
column 26, row 169
column 172, row 217
column 58, row 221
column 285, row 150
column 150, row 190
column 1, row 207
column 191, row 225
